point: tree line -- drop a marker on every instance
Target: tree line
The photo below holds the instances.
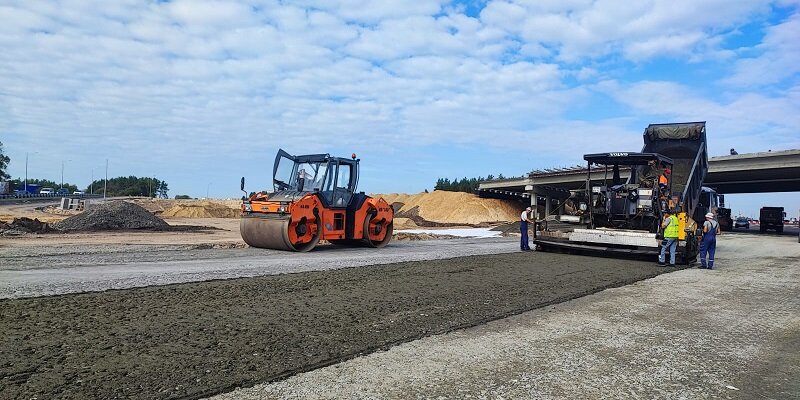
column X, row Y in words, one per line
column 131, row 186
column 468, row 185
column 120, row 186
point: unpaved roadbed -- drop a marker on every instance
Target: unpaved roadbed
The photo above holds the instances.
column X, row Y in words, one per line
column 197, row 339
column 76, row 268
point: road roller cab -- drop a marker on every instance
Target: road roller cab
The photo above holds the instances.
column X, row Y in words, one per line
column 314, row 197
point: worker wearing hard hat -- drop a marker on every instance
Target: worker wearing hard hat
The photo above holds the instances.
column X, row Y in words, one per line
column 525, row 218
column 670, row 226
column 708, row 245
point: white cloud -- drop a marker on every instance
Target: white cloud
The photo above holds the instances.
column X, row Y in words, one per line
column 588, row 29
column 778, row 59
column 189, row 86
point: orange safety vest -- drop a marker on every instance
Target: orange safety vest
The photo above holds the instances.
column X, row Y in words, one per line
column 662, row 180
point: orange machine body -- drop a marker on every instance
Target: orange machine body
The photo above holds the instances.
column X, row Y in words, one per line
column 314, row 199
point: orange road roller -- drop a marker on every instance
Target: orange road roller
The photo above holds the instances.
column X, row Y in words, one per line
column 314, row 198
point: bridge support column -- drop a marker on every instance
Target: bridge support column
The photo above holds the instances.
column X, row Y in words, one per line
column 531, row 190
column 548, row 204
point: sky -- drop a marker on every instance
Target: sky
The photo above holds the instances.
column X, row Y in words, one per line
column 202, row 92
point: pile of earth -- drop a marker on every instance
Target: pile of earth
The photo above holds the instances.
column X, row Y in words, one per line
column 405, row 236
column 114, row 215
column 442, row 208
column 203, row 209
column 23, row 225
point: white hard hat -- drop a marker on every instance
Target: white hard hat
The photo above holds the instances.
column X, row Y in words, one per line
column 710, row 215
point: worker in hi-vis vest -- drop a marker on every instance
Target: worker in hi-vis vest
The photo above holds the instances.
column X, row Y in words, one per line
column 670, row 226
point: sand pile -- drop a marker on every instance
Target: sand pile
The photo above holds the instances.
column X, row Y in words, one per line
column 155, row 206
column 202, row 209
column 115, row 215
column 451, row 208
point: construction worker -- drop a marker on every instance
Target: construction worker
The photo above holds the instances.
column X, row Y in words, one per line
column 670, row 226
column 663, row 181
column 708, row 245
column 525, row 219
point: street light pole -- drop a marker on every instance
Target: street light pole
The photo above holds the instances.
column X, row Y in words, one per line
column 26, row 172
column 91, row 189
column 105, row 182
column 62, row 172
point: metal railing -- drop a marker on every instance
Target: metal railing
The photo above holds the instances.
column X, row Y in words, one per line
column 46, row 196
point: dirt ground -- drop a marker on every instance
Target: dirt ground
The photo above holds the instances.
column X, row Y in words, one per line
column 197, row 339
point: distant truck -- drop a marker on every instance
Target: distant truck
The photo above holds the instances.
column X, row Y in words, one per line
column 5, row 187
column 772, row 218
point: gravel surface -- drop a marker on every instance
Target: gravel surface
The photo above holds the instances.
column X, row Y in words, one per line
column 113, row 215
column 190, row 340
column 49, row 270
column 731, row 333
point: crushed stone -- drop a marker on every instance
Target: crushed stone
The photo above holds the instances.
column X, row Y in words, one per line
column 115, row 215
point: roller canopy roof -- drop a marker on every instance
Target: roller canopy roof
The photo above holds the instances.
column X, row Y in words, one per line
column 626, row 158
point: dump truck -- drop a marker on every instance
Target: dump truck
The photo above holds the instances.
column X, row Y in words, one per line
column 314, row 197
column 771, row 218
column 625, row 216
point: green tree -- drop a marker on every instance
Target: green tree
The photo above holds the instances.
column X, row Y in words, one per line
column 131, row 186
column 4, row 160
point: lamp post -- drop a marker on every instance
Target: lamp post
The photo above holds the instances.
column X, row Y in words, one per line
column 105, row 182
column 26, row 170
column 62, row 172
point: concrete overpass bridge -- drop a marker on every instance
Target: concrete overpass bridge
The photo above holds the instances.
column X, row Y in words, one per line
column 765, row 172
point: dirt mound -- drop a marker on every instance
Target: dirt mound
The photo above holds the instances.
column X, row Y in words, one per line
column 115, row 215
column 420, row 236
column 203, row 209
column 451, row 208
column 23, row 225
column 404, row 223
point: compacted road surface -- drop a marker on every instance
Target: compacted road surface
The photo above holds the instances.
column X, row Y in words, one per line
column 75, row 268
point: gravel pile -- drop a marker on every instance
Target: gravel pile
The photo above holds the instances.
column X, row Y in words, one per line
column 116, row 215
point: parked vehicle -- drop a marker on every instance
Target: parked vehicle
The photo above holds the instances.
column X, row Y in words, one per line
column 78, row 192
column 772, row 218
column 62, row 192
column 742, row 222
column 47, row 191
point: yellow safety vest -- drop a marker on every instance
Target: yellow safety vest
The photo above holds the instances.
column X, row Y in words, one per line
column 671, row 231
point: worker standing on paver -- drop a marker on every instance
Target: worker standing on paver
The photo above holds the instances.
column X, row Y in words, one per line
column 708, row 245
column 670, row 226
column 525, row 218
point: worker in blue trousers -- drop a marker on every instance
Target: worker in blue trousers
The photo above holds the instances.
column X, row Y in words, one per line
column 671, row 230
column 708, row 245
column 525, row 218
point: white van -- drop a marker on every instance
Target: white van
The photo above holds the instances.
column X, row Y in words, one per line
column 47, row 191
